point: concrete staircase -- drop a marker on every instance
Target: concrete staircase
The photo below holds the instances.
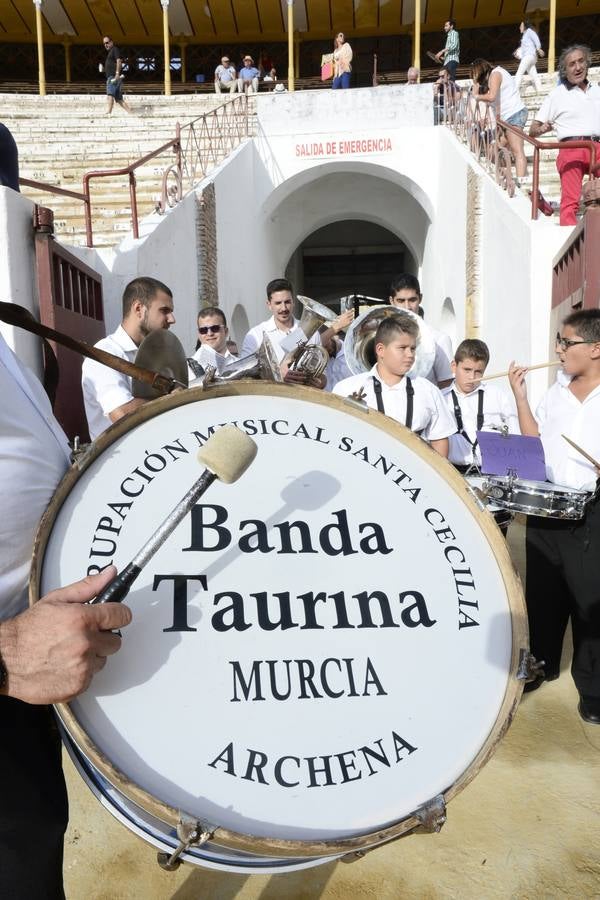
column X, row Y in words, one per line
column 60, row 138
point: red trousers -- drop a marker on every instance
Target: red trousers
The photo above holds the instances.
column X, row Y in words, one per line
column 572, row 165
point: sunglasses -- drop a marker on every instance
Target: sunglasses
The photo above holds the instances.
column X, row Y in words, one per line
column 565, row 343
column 212, row 329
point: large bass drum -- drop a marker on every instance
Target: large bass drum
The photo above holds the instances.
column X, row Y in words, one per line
column 321, row 655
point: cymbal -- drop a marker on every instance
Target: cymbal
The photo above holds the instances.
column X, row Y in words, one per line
column 161, row 352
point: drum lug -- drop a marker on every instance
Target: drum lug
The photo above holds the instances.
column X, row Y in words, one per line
column 431, row 815
column 529, row 667
column 191, row 833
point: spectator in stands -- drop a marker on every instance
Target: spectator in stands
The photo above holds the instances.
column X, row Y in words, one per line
column 445, row 98
column 573, row 110
column 405, row 292
column 527, row 54
column 451, row 52
column 211, row 348
column 225, row 77
column 248, row 77
column 498, row 88
column 9, row 159
column 271, row 75
column 342, row 62
column 113, row 66
column 147, row 306
column 413, row 75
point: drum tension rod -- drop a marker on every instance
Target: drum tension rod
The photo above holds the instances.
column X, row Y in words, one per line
column 529, row 667
column 431, row 817
column 190, row 832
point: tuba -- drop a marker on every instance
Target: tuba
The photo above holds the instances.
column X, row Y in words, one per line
column 359, row 344
column 260, row 364
column 310, row 359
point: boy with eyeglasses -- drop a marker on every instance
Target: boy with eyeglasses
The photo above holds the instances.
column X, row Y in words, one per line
column 211, row 348
column 563, row 556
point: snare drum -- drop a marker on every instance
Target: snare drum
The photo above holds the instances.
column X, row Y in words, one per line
column 503, row 517
column 536, row 498
column 298, row 679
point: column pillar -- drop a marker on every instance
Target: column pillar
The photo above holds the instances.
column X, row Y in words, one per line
column 167, row 46
column 40, row 47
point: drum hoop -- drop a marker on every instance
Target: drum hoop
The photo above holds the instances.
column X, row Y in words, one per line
column 522, row 486
column 520, row 638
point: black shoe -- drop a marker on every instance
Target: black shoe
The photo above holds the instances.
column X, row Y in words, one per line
column 589, row 710
column 538, row 682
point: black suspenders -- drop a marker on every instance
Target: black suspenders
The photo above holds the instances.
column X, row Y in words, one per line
column 410, row 393
column 459, row 418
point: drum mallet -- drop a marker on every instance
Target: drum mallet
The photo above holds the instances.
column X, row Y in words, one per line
column 226, row 455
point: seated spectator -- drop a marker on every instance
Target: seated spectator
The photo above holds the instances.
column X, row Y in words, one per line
column 413, row 75
column 248, row 77
column 271, row 76
column 225, row 77
column 405, row 292
column 213, row 338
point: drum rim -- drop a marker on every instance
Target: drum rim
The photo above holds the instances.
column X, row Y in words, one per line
column 521, row 486
column 514, row 592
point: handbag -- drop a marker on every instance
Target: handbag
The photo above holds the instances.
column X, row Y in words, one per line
column 326, row 66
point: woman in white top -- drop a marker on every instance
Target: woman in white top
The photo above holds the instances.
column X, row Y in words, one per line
column 528, row 52
column 497, row 87
column 342, row 59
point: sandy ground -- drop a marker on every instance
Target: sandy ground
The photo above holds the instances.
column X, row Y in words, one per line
column 527, row 827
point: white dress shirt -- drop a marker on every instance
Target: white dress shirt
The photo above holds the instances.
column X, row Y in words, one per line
column 253, row 339
column 34, row 455
column 499, row 410
column 105, row 389
column 572, row 111
column 560, row 412
column 430, row 413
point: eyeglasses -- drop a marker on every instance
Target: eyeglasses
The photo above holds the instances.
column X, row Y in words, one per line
column 565, row 343
column 206, row 329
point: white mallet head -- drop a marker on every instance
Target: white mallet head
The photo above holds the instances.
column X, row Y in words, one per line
column 228, row 453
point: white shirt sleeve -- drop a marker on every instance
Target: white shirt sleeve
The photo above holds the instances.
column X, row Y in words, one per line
column 441, row 423
column 250, row 343
column 104, row 386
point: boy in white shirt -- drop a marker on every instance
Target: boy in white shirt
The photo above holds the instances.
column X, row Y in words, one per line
column 563, row 558
column 474, row 405
column 413, row 402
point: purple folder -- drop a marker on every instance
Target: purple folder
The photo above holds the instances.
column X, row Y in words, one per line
column 515, row 452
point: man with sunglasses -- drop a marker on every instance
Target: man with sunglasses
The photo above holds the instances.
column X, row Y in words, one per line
column 213, row 337
column 563, row 556
column 113, row 66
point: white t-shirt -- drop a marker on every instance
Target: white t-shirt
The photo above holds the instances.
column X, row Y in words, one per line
column 530, row 44
column 558, row 413
column 104, row 389
column 430, row 413
column 508, row 100
column 499, row 410
column 34, row 455
column 572, row 111
column 253, row 339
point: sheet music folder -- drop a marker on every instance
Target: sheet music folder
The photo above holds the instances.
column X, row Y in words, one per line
column 502, row 454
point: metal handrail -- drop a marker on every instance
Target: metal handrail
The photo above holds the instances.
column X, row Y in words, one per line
column 474, row 123
column 197, row 145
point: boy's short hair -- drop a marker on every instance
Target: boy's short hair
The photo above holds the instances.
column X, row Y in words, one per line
column 405, row 282
column 471, row 348
column 207, row 311
column 586, row 323
column 393, row 326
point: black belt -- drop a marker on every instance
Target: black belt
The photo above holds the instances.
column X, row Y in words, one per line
column 581, row 137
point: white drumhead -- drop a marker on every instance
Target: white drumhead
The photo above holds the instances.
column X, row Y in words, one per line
column 391, row 700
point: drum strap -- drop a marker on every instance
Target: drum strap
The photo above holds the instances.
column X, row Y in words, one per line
column 459, row 418
column 13, row 314
column 410, row 394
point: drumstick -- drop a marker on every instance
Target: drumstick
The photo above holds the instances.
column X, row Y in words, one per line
column 226, row 455
column 579, row 449
column 554, row 362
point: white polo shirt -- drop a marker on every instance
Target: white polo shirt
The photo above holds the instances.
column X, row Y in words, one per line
column 572, row 111
column 104, row 389
column 34, row 455
column 499, row 410
column 560, row 412
column 430, row 413
column 208, row 356
column 253, row 339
